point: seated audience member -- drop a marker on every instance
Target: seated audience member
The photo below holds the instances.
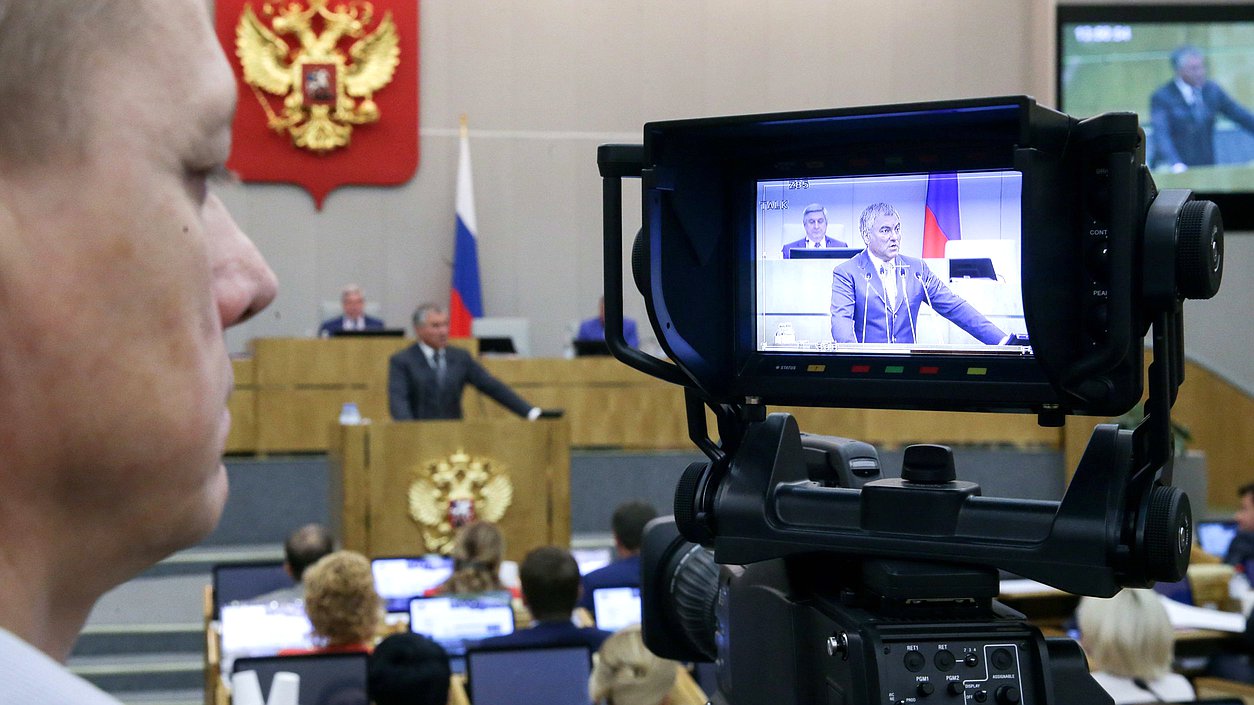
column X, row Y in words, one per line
column 478, row 550
column 550, row 587
column 409, row 669
column 1129, row 642
column 342, row 604
column 628, row 526
column 1241, row 550
column 304, row 547
column 354, row 318
column 594, row 328
column 627, row 673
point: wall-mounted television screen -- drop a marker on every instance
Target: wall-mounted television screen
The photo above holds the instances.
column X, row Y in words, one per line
column 1188, row 72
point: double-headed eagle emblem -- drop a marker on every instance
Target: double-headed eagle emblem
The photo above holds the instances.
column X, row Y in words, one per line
column 318, row 83
column 451, row 492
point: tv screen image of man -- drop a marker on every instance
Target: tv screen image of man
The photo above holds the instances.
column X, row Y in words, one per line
column 1183, row 112
column 877, row 294
column 425, row 380
column 814, row 221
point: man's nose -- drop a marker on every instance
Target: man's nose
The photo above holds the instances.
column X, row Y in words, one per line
column 243, row 284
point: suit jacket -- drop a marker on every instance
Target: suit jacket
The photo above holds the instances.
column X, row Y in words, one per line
column 592, row 329
column 1183, row 135
column 621, row 573
column 414, row 394
column 556, row 633
column 801, row 244
column 860, row 312
column 336, row 325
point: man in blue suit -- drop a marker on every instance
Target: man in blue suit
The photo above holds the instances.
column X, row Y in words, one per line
column 1183, row 113
column 354, row 303
column 876, row 294
column 550, row 587
column 425, row 380
column 814, row 221
column 628, row 526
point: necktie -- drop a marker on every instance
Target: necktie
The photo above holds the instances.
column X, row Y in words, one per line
column 440, row 368
column 890, row 285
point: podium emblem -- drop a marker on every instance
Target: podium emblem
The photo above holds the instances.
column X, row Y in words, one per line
column 448, row 493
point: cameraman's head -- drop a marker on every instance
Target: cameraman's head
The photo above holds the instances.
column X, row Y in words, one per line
column 628, row 525
column 550, row 583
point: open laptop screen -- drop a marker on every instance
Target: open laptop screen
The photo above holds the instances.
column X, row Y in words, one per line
column 399, row 580
column 324, row 678
column 263, row 630
column 1215, row 536
column 532, row 676
column 458, row 620
column 615, row 607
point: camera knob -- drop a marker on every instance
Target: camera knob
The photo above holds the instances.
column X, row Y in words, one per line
column 928, row 464
column 1199, row 250
column 688, row 508
column 1168, row 534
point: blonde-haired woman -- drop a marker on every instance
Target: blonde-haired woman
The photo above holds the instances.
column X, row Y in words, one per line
column 342, row 604
column 1129, row 642
column 626, row 673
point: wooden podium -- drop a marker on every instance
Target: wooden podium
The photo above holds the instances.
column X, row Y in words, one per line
column 395, row 486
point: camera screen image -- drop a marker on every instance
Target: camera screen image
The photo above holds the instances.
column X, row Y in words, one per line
column 890, row 264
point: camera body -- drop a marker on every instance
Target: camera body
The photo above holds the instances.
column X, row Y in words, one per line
column 826, row 581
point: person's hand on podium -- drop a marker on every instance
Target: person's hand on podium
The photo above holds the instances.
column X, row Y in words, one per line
column 538, row 413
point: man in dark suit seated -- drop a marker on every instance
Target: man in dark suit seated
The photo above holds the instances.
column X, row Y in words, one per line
column 814, row 221
column 425, row 380
column 877, row 294
column 628, row 526
column 1183, row 113
column 550, row 588
column 353, row 302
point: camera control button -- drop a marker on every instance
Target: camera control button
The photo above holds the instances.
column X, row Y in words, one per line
column 944, row 660
column 925, row 689
column 1002, row 659
column 971, row 660
column 1007, row 695
column 914, row 661
column 980, row 696
column 956, row 688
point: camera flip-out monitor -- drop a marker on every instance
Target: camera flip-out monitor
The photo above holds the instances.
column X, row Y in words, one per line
column 1003, row 261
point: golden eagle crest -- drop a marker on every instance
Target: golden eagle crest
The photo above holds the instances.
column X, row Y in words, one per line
column 317, row 82
column 451, row 492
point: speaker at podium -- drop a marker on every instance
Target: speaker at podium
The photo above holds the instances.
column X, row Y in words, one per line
column 403, row 488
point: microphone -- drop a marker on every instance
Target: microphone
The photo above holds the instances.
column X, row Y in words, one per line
column 866, row 300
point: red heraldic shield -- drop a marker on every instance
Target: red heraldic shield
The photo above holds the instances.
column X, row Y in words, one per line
column 328, row 91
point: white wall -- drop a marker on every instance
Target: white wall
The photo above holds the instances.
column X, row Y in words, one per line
column 544, row 82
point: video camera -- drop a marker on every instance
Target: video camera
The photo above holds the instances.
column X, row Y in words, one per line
column 1022, row 255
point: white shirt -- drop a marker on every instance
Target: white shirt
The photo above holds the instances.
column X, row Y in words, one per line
column 1169, row 687
column 887, row 272
column 28, row 676
column 1189, row 92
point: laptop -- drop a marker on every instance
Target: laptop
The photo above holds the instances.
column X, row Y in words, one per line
column 615, row 607
column 325, row 679
column 233, row 582
column 1214, row 537
column 262, row 630
column 370, row 333
column 824, row 252
column 590, row 559
column 591, row 348
column 529, row 676
column 400, row 579
column 971, row 268
column 457, row 621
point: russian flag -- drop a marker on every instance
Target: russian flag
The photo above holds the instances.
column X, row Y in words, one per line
column 940, row 218
column 465, row 298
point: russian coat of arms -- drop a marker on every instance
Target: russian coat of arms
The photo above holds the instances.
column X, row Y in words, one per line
column 451, row 492
column 325, row 92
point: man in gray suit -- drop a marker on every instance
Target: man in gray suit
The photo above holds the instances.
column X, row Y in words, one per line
column 425, row 380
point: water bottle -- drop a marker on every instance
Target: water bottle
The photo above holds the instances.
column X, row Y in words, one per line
column 350, row 415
